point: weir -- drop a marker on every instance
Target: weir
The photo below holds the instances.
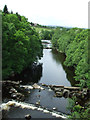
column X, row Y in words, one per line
column 8, row 105
column 59, row 90
column 48, row 92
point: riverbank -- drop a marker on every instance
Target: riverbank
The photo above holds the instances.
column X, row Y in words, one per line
column 15, row 90
column 18, row 92
column 43, row 73
column 74, row 43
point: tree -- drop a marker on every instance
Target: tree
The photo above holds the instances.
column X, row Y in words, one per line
column 19, row 17
column 74, row 43
column 5, row 10
column 21, row 44
column 11, row 12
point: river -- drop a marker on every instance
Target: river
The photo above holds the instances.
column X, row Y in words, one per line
column 51, row 71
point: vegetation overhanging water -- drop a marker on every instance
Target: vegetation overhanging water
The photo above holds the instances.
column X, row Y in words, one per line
column 22, row 47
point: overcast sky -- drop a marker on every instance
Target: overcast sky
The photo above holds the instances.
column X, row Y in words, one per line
column 70, row 13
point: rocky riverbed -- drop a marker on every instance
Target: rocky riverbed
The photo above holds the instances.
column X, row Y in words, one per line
column 17, row 93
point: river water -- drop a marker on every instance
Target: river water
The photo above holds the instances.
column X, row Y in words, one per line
column 51, row 71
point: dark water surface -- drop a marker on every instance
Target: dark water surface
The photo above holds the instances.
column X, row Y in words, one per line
column 54, row 72
column 51, row 71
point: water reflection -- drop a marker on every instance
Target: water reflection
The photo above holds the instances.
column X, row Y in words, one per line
column 53, row 72
column 29, row 75
column 60, row 58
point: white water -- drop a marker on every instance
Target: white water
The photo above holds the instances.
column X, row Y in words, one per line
column 8, row 105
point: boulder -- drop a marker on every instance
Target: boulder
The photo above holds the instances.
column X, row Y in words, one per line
column 26, row 86
column 17, row 96
column 13, row 90
column 28, row 117
column 58, row 89
column 29, row 92
column 78, row 95
column 13, row 95
column 59, row 94
column 66, row 93
column 84, row 92
column 36, row 86
column 38, row 103
column 54, row 108
column 44, row 85
column 71, row 94
column 50, row 89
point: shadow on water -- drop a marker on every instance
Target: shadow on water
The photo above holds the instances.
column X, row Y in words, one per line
column 60, row 58
column 47, row 73
column 29, row 75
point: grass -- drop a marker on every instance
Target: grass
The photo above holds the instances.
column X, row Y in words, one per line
column 38, row 29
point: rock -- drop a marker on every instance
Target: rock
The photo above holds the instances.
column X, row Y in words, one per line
column 35, row 86
column 75, row 94
column 58, row 89
column 26, row 86
column 54, row 108
column 78, row 95
column 58, row 86
column 59, row 94
column 20, row 96
column 13, row 95
column 10, row 92
column 44, row 85
column 13, row 90
column 51, row 87
column 17, row 96
column 55, row 95
column 38, row 103
column 28, row 117
column 28, row 91
column 66, row 93
column 76, row 103
column 20, row 81
column 84, row 92
column 50, row 90
column 72, row 88
column 39, row 90
column 70, row 94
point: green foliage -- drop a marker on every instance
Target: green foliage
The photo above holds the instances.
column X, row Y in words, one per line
column 21, row 45
column 55, row 37
column 78, row 111
column 46, row 34
column 74, row 43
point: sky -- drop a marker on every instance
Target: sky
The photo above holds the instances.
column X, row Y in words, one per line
column 66, row 13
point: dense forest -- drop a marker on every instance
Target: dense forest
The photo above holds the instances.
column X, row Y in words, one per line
column 74, row 44
column 21, row 43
